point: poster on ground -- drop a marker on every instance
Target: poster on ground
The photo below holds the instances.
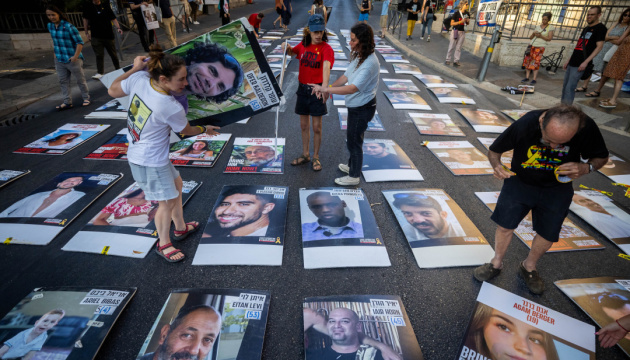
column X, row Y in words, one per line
column 111, row 110
column 572, row 237
column 125, row 227
column 461, row 158
column 114, row 149
column 339, row 229
column 384, row 160
column 373, row 125
column 404, row 100
column 450, row 95
column 387, row 50
column 400, row 85
column 246, row 227
column 605, row 215
column 485, row 120
column 515, row 114
column 340, row 65
column 40, row 216
column 62, row 322
column 617, row 169
column 393, row 58
column 8, row 176
column 257, row 155
column 603, row 299
column 381, row 318
column 432, row 81
column 200, row 150
column 435, row 124
column 62, row 140
column 406, row 69
column 437, row 229
column 506, row 157
column 339, row 100
column 501, row 319
column 232, row 322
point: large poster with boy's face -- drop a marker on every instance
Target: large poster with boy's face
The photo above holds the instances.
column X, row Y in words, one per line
column 62, row 140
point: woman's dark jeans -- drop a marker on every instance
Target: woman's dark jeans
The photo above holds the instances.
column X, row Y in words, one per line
column 358, row 118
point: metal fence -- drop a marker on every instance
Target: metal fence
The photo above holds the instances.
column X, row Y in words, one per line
column 19, row 23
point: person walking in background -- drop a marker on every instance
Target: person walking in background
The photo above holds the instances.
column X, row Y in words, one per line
column 279, row 11
column 224, row 11
column 255, row 20
column 427, row 18
column 366, row 6
column 458, row 21
column 287, row 13
column 540, row 38
column 413, row 8
column 168, row 22
column 319, row 8
column 67, row 45
column 185, row 16
column 617, row 68
column 146, row 35
column 384, row 15
column 97, row 22
column 194, row 7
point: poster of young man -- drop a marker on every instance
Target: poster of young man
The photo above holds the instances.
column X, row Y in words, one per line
column 450, row 95
column 226, row 324
column 392, row 58
column 617, row 169
column 62, row 140
column 485, row 120
column 432, row 81
column 515, row 114
column 111, row 110
column 402, row 100
column 384, row 160
column 200, row 150
column 257, row 155
column 603, row 299
column 7, row 176
column 400, row 85
column 406, row 69
column 438, row 231
column 605, row 215
column 114, row 149
column 358, row 327
column 435, row 124
column 374, row 125
column 506, row 326
column 246, row 227
column 572, row 237
column 461, row 158
column 40, row 216
column 506, row 157
column 65, row 323
column 125, row 226
column 339, row 229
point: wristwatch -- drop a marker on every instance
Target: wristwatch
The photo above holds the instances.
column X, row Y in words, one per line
column 590, row 168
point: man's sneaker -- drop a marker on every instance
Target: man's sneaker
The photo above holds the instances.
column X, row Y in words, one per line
column 196, row 22
column 344, row 168
column 456, row 64
column 421, row 37
column 447, row 63
column 533, row 281
column 525, row 80
column 429, row 38
column 347, row 181
column 97, row 76
column 486, row 272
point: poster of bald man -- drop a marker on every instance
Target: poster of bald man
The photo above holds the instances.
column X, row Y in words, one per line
column 450, row 95
column 435, row 124
column 257, row 156
column 374, row 327
column 437, row 229
column 8, row 176
column 572, row 237
column 605, row 215
column 506, row 157
column 37, row 218
column 209, row 324
column 485, row 120
column 246, row 227
column 384, row 160
column 62, row 140
column 373, row 125
column 200, row 150
column 339, row 229
column 617, row 169
column 461, row 157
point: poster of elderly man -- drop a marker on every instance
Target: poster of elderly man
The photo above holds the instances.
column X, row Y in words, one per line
column 257, row 156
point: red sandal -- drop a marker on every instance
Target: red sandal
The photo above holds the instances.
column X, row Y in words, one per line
column 180, row 235
column 168, row 256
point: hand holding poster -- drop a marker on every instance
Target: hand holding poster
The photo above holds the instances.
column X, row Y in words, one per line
column 487, row 12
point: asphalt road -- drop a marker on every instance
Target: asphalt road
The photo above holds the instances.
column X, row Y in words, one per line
column 438, row 301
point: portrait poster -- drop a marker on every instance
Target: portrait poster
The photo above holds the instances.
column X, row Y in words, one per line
column 67, row 323
column 275, row 62
column 340, row 65
column 36, row 219
column 246, row 227
column 257, row 156
column 617, row 169
column 114, row 149
column 400, row 85
column 500, row 318
column 432, row 81
column 340, row 56
column 603, row 299
column 7, row 176
column 150, row 17
column 450, row 95
column 515, row 114
column 373, row 125
column 384, row 160
column 393, row 58
column 339, row 229
column 382, row 318
column 572, row 237
column 487, row 12
column 234, row 320
column 437, row 229
column 276, row 52
column 200, row 150
column 339, row 100
column 461, row 158
column 435, row 124
column 125, row 227
column 402, row 100
column 605, row 215
column 406, row 69
column 387, row 50
column 485, row 120
column 111, row 110
column 506, row 157
column 62, row 140
column 383, row 70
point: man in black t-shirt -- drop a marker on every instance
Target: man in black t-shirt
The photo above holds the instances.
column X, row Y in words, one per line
column 97, row 22
column 588, row 46
column 146, row 35
column 548, row 146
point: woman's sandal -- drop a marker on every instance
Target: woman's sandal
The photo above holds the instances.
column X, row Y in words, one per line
column 180, row 235
column 593, row 93
column 63, row 106
column 317, row 166
column 86, row 102
column 168, row 256
column 301, row 160
column 580, row 89
column 607, row 104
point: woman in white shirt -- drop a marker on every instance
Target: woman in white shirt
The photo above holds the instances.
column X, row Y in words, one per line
column 541, row 37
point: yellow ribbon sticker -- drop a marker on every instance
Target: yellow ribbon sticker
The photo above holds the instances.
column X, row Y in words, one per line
column 105, row 250
column 599, row 191
column 624, row 256
column 8, row 241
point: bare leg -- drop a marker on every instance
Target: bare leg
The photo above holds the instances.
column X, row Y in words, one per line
column 163, row 225
column 618, row 84
column 535, row 75
column 539, row 248
column 502, row 239
column 527, row 72
column 317, row 135
column 602, row 82
column 177, row 213
column 306, row 134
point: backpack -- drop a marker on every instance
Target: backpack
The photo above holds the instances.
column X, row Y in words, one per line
column 446, row 24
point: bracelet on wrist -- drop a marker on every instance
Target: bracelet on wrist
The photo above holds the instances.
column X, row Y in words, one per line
column 202, row 128
column 624, row 329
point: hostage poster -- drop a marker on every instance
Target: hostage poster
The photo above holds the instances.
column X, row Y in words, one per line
column 257, row 155
column 384, row 160
column 461, row 158
column 199, row 150
column 62, row 140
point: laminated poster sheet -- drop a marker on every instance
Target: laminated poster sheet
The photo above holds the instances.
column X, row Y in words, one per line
column 435, row 124
column 275, row 62
column 400, row 85
column 150, row 17
column 402, row 100
column 339, row 100
column 29, row 221
column 387, row 50
column 515, row 114
column 406, row 69
column 501, row 318
column 114, row 149
column 617, row 169
column 384, row 160
column 450, row 95
column 461, row 158
column 124, row 227
column 572, row 237
column 256, row 155
column 340, row 65
column 382, row 318
column 111, row 110
column 8, row 176
column 66, row 323
column 199, row 150
column 62, row 140
column 506, row 157
column 246, row 227
column 485, row 120
column 437, row 229
column 234, row 323
column 392, row 58
column 383, row 70
column 339, row 230
column 374, row 125
column 432, row 81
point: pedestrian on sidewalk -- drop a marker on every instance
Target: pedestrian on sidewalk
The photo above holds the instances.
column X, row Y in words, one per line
column 146, row 36
column 458, row 34
column 617, row 69
column 427, row 18
column 366, row 6
column 148, row 139
column 97, row 22
column 287, row 13
column 194, row 8
column 359, row 83
column 279, row 10
column 185, row 16
column 413, row 9
column 67, row 43
column 224, row 11
column 168, row 22
column 540, row 38
column 384, row 15
column 255, row 20
column 319, row 8
column 580, row 65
